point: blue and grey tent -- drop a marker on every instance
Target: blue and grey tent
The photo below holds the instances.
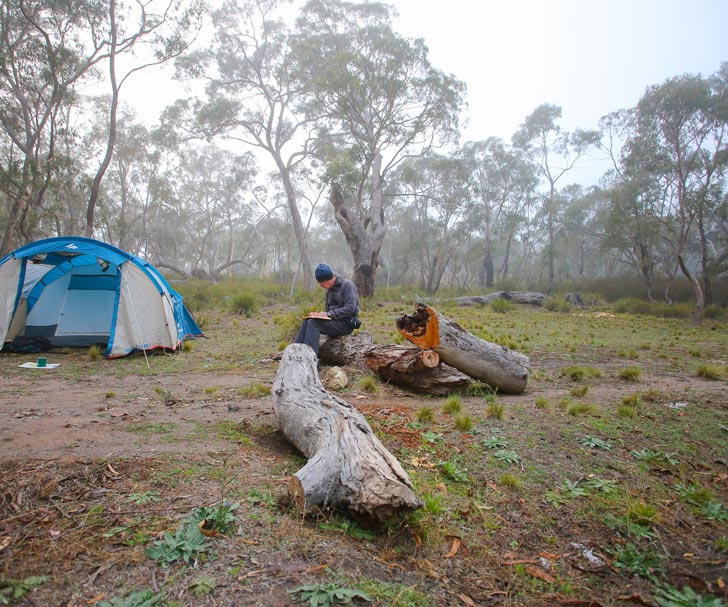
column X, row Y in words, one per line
column 74, row 291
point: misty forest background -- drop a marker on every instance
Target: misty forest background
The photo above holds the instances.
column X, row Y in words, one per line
column 324, row 135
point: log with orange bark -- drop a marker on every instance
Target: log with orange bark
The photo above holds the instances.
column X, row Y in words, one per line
column 495, row 365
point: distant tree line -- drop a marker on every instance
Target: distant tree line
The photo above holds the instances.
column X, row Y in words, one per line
column 329, row 136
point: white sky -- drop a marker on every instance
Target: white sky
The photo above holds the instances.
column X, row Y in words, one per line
column 590, row 57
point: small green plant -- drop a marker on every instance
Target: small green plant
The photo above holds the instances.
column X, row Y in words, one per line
column 11, row 589
column 646, row 564
column 219, row 518
column 694, row 494
column 202, row 586
column 454, row 471
column 508, row 456
column 495, row 411
column 244, row 303
column 464, row 423
column 137, row 598
column 326, row 595
column 572, row 490
column 187, row 345
column 452, row 405
column 186, row 544
column 143, row 498
column 632, row 400
column 494, row 442
column 94, row 352
column 655, row 457
column 110, row 394
column 626, row 411
column 709, row 372
column 592, row 442
column 601, row 485
column 630, row 374
column 434, row 503
column 432, row 437
column 425, row 415
column 348, row 527
column 669, row 596
column 721, row 544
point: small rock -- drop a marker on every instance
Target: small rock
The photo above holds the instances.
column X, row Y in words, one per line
column 335, row 379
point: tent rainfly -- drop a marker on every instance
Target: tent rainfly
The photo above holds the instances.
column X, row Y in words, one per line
column 75, row 291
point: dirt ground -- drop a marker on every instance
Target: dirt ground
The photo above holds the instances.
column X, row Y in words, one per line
column 73, row 449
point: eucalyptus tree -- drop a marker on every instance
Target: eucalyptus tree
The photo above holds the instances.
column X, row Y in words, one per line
column 167, row 27
column 41, row 63
column 680, row 133
column 212, row 188
column 504, row 182
column 250, row 96
column 377, row 100
column 556, row 152
column 435, row 191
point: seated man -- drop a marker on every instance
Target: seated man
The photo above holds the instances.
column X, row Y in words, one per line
column 342, row 309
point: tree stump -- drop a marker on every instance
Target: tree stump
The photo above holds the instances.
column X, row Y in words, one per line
column 415, row 369
column 495, row 365
column 348, row 467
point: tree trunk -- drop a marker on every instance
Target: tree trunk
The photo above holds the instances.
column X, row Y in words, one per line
column 415, row 369
column 347, row 350
column 348, row 467
column 699, row 298
column 364, row 235
column 495, row 365
column 518, row 297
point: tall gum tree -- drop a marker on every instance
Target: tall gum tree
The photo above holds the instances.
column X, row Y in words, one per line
column 556, row 152
column 250, row 97
column 378, row 100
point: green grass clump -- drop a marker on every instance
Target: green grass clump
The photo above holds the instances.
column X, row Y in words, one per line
column 579, row 409
column 542, row 402
column 464, row 423
column 369, row 384
column 510, row 481
column 94, row 352
column 630, row 374
column 632, row 400
column 577, row 373
column 495, row 411
column 709, row 372
column 627, row 411
column 425, row 415
column 501, row 306
column 254, row 390
column 643, row 514
column 578, row 391
column 452, row 405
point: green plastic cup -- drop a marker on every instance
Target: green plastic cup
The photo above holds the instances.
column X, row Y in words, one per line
column 42, row 361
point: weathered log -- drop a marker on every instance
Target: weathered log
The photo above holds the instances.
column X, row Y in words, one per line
column 517, row 297
column 346, row 350
column 495, row 365
column 348, row 467
column 415, row 369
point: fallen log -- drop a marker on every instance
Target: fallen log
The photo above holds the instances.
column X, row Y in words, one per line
column 348, row 467
column 517, row 297
column 346, row 350
column 495, row 365
column 415, row 369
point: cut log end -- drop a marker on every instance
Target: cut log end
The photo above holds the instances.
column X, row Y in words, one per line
column 297, row 494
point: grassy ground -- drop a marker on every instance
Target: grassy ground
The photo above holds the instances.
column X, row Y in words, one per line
column 605, row 483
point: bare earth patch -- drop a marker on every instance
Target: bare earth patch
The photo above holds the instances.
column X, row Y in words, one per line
column 96, row 465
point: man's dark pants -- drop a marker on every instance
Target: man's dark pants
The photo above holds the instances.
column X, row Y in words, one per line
column 312, row 328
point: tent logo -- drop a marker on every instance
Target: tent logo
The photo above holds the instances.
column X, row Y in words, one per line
column 70, row 245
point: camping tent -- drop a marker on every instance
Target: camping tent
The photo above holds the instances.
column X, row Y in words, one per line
column 75, row 291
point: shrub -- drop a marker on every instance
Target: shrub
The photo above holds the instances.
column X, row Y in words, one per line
column 244, row 303
column 632, row 305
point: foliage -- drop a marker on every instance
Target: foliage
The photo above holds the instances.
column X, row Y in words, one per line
column 327, row 595
column 592, row 442
column 630, row 374
column 11, row 589
column 577, row 373
column 137, row 598
column 244, row 303
column 644, row 563
column 669, row 596
column 187, row 543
